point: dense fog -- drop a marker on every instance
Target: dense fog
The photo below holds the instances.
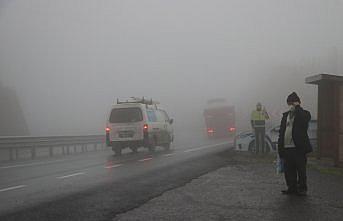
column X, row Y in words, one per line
column 68, row 61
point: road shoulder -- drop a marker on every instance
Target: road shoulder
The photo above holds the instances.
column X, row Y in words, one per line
column 246, row 190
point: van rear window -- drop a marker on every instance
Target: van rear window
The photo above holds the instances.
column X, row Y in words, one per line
column 126, row 115
column 151, row 116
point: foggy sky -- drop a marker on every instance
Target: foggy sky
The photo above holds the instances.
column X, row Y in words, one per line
column 69, row 60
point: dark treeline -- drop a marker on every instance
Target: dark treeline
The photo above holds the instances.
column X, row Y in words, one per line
column 11, row 115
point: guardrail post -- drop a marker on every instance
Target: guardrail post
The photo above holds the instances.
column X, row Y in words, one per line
column 33, row 152
column 29, row 145
column 16, row 153
column 51, row 151
column 11, row 153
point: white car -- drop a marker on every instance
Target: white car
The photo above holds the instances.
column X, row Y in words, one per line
column 138, row 123
column 312, row 133
column 245, row 141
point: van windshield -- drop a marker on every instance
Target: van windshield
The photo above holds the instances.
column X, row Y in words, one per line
column 126, row 115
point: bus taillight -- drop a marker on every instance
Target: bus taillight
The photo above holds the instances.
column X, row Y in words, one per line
column 232, row 129
column 210, row 130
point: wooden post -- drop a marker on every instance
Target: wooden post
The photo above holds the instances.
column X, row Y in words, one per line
column 339, row 125
column 330, row 116
column 319, row 122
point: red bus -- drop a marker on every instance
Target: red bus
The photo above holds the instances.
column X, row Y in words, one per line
column 220, row 119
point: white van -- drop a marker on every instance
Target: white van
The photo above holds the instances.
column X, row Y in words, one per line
column 138, row 123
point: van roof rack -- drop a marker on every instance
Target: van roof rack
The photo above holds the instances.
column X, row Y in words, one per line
column 136, row 100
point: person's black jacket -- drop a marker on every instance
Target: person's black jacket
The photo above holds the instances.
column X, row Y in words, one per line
column 299, row 132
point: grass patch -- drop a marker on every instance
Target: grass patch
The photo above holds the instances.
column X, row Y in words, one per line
column 323, row 166
column 327, row 170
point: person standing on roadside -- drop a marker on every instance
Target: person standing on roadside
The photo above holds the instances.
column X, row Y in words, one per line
column 294, row 144
column 258, row 124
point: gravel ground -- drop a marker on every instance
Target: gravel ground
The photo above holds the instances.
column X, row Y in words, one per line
column 247, row 189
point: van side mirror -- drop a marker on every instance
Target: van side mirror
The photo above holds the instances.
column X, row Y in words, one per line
column 171, row 121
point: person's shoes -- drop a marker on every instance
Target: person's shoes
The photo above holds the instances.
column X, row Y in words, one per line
column 302, row 193
column 288, row 192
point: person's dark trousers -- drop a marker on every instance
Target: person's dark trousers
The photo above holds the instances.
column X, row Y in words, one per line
column 295, row 170
column 260, row 133
column 298, row 176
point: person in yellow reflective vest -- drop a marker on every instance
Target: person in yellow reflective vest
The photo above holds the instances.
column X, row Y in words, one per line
column 258, row 123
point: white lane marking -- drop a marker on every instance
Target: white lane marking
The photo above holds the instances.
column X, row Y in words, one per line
column 12, row 188
column 113, row 166
column 145, row 159
column 196, row 149
column 204, row 147
column 30, row 164
column 71, row 175
column 169, row 155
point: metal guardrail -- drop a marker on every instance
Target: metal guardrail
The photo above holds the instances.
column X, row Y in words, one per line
column 14, row 145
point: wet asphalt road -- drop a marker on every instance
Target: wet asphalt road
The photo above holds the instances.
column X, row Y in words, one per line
column 97, row 186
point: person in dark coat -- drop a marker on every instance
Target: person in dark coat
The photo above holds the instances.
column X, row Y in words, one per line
column 294, row 144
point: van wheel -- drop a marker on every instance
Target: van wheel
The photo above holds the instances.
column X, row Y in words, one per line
column 152, row 145
column 167, row 146
column 117, row 149
column 134, row 149
column 152, row 148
